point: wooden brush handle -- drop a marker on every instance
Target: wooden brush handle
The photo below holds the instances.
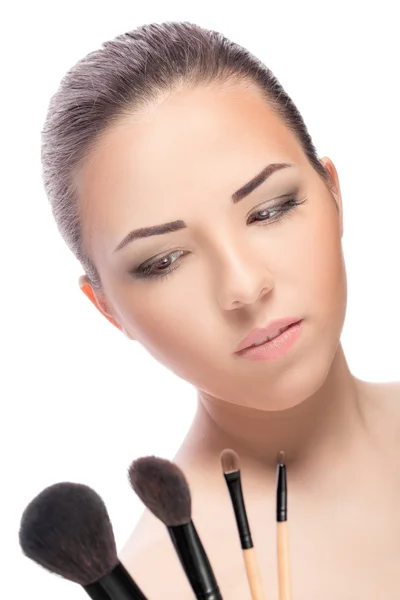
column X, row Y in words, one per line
column 253, row 574
column 284, row 579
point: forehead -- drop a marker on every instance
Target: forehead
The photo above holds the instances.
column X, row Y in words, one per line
column 192, row 144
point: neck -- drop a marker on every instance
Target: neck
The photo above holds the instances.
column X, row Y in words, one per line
column 319, row 429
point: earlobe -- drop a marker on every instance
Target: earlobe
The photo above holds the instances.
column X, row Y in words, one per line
column 96, row 300
column 334, row 187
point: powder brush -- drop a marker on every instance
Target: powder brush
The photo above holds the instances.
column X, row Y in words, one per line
column 66, row 529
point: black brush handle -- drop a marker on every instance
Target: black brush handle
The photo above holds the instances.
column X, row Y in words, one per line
column 194, row 561
column 281, row 494
column 116, row 585
column 233, row 481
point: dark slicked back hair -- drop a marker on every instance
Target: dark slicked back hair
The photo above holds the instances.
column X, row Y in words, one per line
column 127, row 74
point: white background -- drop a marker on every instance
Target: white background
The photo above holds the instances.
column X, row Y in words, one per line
column 79, row 401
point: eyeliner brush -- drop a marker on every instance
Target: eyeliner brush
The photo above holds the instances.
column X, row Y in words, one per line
column 284, row 579
column 231, row 470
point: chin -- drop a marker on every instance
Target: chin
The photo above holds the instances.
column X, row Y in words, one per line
column 291, row 387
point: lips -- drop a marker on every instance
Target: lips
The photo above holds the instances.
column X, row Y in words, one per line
column 261, row 335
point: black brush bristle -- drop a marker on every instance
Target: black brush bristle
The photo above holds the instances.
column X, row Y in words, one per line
column 162, row 487
column 66, row 529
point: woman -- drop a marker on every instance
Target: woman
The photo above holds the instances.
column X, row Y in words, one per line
column 184, row 179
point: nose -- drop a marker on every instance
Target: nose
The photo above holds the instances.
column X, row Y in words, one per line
column 243, row 278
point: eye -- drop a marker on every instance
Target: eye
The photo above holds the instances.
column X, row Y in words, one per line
column 159, row 267
column 263, row 215
column 275, row 213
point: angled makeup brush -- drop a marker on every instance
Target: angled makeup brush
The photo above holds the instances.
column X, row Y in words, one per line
column 66, row 529
column 231, row 470
column 163, row 489
column 284, row 579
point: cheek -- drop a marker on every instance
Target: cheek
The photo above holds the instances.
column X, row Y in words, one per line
column 321, row 264
column 163, row 315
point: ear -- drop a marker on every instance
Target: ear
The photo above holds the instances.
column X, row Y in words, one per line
column 334, row 187
column 98, row 299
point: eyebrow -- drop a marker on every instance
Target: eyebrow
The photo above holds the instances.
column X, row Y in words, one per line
column 241, row 193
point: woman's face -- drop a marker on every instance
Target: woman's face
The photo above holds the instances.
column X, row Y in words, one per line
column 218, row 263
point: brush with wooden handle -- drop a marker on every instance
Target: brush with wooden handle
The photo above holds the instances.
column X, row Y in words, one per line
column 231, row 470
column 284, row 578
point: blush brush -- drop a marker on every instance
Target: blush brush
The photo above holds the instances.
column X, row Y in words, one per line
column 66, row 529
column 231, row 470
column 163, row 489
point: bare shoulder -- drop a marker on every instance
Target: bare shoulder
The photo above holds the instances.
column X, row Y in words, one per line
column 150, row 558
column 383, row 401
column 385, row 395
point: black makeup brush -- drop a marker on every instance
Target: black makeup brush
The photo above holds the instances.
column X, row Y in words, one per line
column 66, row 529
column 284, row 579
column 231, row 470
column 162, row 487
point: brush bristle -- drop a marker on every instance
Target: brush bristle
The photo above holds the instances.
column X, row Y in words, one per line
column 66, row 529
column 281, row 458
column 229, row 461
column 163, row 489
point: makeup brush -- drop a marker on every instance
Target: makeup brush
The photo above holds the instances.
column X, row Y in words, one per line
column 284, row 579
column 162, row 487
column 66, row 529
column 231, row 470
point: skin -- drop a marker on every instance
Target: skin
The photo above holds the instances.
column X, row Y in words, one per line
column 181, row 159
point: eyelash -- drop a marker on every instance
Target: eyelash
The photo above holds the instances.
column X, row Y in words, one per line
column 282, row 209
